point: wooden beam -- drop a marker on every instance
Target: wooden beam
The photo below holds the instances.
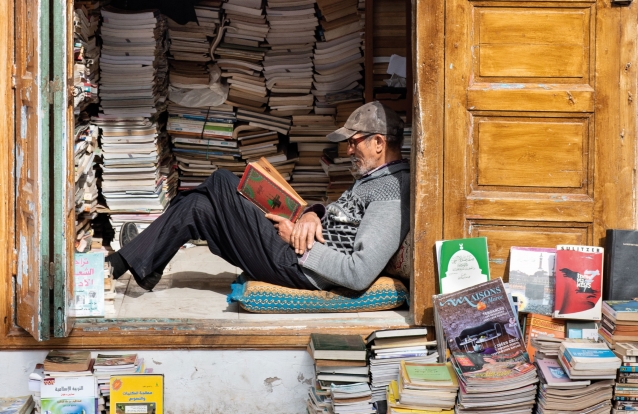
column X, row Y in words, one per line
column 427, row 153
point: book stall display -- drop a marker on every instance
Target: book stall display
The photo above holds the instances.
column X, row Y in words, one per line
column 162, row 104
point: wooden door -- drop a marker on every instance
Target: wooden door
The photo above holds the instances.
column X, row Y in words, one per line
column 63, row 169
column 31, row 166
column 532, row 146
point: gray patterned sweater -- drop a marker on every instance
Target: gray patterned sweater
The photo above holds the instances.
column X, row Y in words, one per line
column 362, row 230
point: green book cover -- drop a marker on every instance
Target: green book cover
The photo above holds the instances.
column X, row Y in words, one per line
column 329, row 342
column 463, row 263
column 428, row 372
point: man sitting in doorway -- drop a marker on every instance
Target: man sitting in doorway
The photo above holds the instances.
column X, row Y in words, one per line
column 347, row 243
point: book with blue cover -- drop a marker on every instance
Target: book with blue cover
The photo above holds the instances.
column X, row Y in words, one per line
column 583, row 355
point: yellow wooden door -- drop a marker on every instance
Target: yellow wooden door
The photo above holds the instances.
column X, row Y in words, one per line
column 532, row 144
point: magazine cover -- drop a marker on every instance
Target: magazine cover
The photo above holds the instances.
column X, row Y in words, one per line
column 579, row 279
column 462, row 263
column 532, row 279
column 139, row 393
column 69, row 395
column 482, row 332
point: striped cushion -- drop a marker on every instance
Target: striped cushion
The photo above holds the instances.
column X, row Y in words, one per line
column 260, row 297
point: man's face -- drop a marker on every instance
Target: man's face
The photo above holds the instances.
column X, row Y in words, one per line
column 362, row 152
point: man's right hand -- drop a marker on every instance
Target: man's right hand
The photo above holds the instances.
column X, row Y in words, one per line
column 306, row 230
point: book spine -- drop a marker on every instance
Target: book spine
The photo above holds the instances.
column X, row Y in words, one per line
column 609, row 267
column 624, row 368
column 625, row 380
column 623, row 398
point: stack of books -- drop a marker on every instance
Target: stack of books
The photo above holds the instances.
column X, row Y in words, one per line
column 201, row 138
column 339, row 360
column 17, row 405
column 107, row 365
column 619, row 322
column 351, row 399
column 391, row 346
column 584, row 359
column 309, row 132
column 558, row 393
column 480, row 328
column 539, row 329
column 35, row 384
column 545, row 346
column 337, row 166
column 406, row 148
column 288, row 64
column 133, row 88
column 86, row 53
column 86, row 191
column 142, row 220
column 189, row 42
column 208, row 13
column 68, row 384
column 423, row 388
column 626, row 387
column 241, row 53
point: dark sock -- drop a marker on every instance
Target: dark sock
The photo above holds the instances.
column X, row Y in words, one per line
column 118, row 263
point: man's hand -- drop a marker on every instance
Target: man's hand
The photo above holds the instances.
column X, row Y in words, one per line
column 300, row 235
column 306, row 230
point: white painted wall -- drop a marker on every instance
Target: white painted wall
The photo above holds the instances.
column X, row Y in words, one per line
column 199, row 382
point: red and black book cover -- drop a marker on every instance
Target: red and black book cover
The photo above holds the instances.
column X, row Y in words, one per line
column 579, row 281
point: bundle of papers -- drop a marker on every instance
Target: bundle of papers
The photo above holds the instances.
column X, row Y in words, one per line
column 351, row 399
column 288, row 66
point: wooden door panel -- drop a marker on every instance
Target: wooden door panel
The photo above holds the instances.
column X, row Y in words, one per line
column 31, row 146
column 527, row 152
column 500, row 238
column 520, row 115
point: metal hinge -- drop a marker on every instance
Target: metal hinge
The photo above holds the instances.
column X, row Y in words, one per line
column 14, row 262
column 14, row 70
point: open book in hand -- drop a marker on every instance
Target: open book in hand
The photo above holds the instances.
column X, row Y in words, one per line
column 267, row 189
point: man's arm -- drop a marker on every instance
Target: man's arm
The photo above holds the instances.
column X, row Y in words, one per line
column 379, row 236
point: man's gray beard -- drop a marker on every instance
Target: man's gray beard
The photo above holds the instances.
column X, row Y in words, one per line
column 359, row 171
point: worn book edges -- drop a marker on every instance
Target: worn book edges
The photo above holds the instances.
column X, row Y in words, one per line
column 65, row 361
column 579, row 275
column 541, row 325
column 621, row 260
column 140, row 393
column 267, row 189
column 345, row 347
column 532, row 279
column 462, row 263
column 554, row 376
column 482, row 333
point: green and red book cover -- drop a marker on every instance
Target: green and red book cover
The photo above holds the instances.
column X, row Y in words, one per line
column 268, row 190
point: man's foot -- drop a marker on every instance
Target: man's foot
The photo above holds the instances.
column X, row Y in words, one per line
column 127, row 233
column 118, row 264
column 149, row 281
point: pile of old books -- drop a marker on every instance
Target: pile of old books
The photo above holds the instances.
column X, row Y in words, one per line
column 423, row 388
column 17, row 405
column 86, row 53
column 340, row 360
column 391, row 346
column 288, row 63
column 619, row 321
column 240, row 54
column 309, row 132
column 68, row 384
column 584, row 359
column 479, row 326
column 406, row 148
column 110, row 364
column 86, row 191
column 626, row 387
column 337, row 165
column 133, row 88
column 202, row 140
column 351, row 399
column 559, row 393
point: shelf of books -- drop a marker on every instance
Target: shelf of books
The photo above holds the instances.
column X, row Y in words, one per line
column 162, row 101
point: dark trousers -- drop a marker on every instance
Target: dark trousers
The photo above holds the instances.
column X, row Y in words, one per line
column 236, row 230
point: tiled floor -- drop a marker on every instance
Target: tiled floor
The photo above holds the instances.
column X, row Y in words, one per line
column 195, row 285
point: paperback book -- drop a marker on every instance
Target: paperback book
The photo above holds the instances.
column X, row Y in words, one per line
column 462, row 263
column 140, row 393
column 532, row 279
column 579, row 276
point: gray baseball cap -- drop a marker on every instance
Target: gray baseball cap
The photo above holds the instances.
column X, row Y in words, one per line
column 371, row 118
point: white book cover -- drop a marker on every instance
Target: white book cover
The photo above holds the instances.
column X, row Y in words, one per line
column 88, row 277
column 532, row 279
